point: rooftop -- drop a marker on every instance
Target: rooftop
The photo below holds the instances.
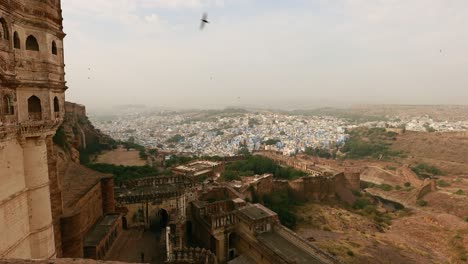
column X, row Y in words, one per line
column 99, row 230
column 197, row 166
column 256, row 211
column 77, row 181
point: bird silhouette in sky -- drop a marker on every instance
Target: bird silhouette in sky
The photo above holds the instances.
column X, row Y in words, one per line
column 204, row 21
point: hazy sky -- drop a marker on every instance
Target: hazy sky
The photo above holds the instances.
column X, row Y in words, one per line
column 301, row 53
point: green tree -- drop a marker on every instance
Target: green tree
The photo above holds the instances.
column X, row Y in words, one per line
column 244, row 151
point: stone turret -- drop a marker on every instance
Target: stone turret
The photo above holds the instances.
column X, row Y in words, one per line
column 32, row 90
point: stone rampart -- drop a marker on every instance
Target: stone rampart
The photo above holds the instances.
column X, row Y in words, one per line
column 75, row 109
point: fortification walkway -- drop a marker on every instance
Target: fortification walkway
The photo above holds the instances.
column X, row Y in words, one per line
column 131, row 243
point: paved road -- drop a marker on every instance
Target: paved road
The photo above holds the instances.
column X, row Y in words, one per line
column 131, row 243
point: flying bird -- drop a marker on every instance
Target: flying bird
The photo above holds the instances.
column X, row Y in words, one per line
column 204, row 21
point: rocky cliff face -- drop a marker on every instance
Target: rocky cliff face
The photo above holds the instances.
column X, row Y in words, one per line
column 77, row 134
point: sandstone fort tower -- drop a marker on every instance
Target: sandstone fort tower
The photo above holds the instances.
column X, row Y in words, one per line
column 32, row 90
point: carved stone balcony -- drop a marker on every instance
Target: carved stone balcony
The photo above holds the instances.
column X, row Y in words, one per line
column 38, row 127
column 28, row 129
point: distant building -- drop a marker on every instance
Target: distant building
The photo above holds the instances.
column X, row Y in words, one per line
column 200, row 169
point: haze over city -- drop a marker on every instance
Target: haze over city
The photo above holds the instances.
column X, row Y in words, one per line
column 265, row 53
column 233, row 131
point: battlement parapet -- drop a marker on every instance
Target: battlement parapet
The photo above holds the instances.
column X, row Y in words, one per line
column 219, row 207
column 147, row 197
column 158, row 181
column 75, row 109
column 222, row 220
column 192, row 256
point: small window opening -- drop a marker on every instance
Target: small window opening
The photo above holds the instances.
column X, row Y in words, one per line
column 31, row 43
column 16, row 41
column 8, row 107
column 54, row 48
column 56, row 105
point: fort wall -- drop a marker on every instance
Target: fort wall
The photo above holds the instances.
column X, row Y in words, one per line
column 75, row 224
column 90, row 206
column 75, row 109
column 11, row 169
column 72, row 237
column 246, row 243
column 25, row 186
column 55, row 195
column 32, row 89
column 321, row 184
column 107, row 191
column 265, row 186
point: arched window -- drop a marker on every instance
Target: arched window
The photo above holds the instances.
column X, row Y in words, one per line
column 54, row 48
column 34, row 108
column 8, row 107
column 4, row 30
column 56, row 105
column 31, row 43
column 16, row 41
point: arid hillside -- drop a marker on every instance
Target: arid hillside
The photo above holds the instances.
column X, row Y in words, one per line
column 450, row 147
column 437, row 112
column 448, row 151
column 426, row 174
column 378, row 112
column 413, row 236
